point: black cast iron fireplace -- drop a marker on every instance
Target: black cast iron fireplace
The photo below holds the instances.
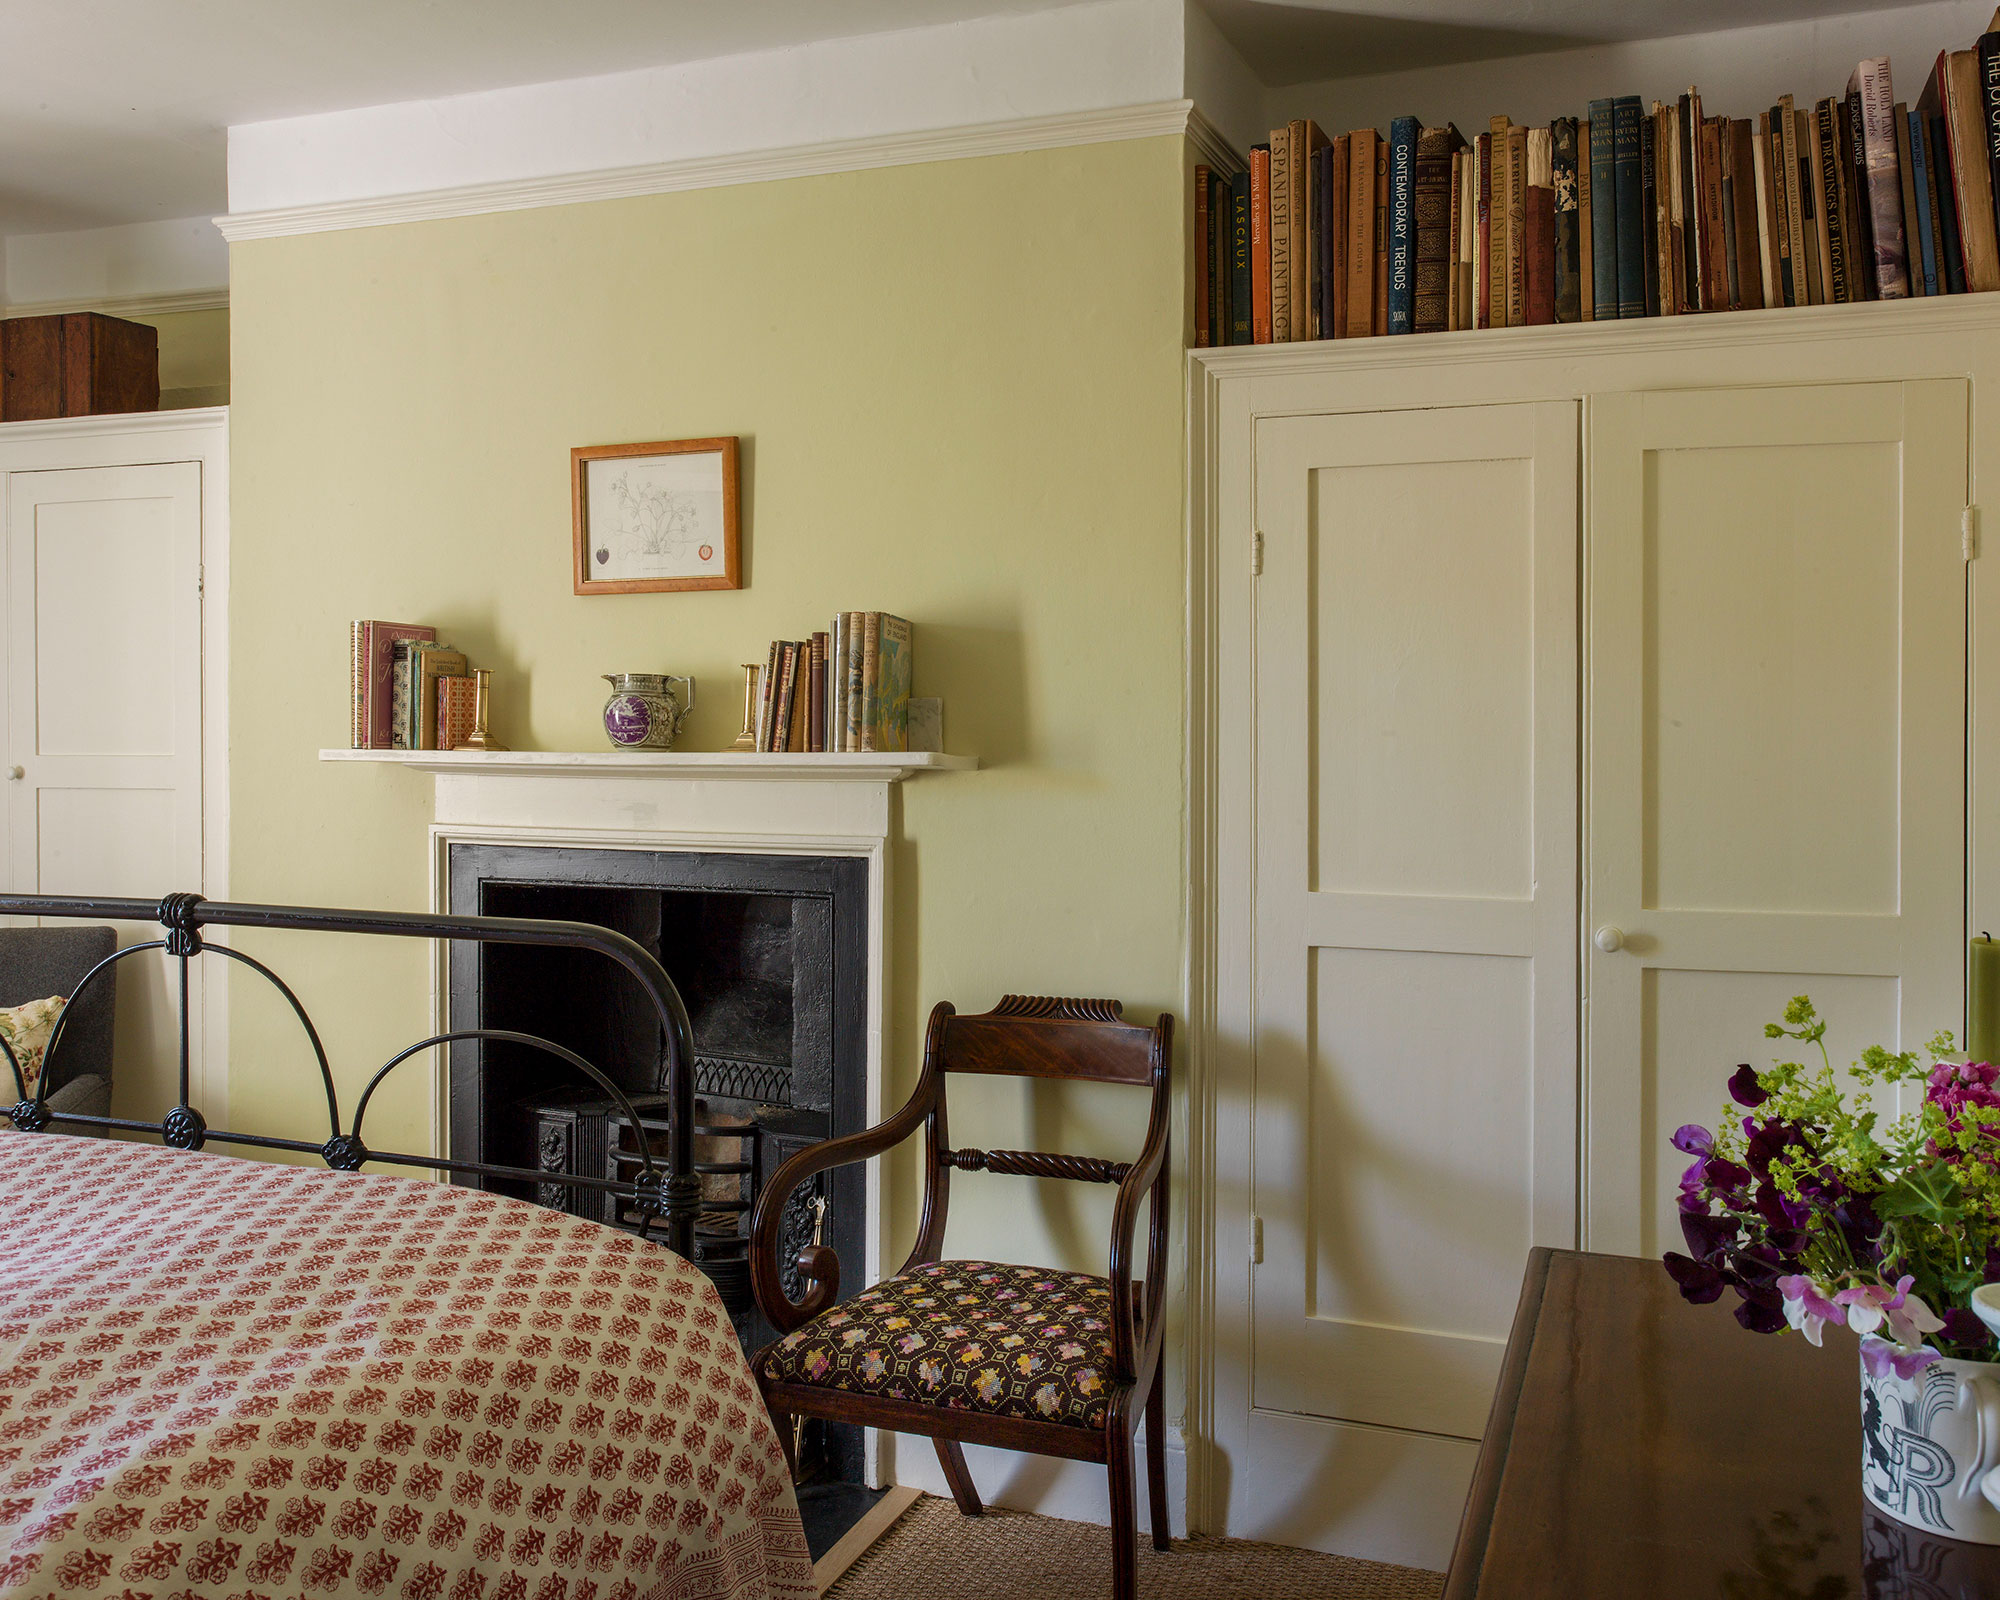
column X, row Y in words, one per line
column 769, row 953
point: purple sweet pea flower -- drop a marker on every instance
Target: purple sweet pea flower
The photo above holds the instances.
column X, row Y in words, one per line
column 1807, row 1307
column 1759, row 1266
column 1694, row 1139
column 1862, row 1229
column 1789, row 1243
column 1760, row 1318
column 1768, row 1142
column 1775, row 1209
column 1744, row 1088
column 1880, row 1358
column 1700, row 1281
column 1963, row 1327
column 1707, row 1236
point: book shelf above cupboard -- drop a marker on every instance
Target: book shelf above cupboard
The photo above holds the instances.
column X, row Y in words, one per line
column 1625, row 210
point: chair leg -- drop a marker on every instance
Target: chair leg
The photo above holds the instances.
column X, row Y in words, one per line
column 1124, row 1517
column 1156, row 1458
column 951, row 1456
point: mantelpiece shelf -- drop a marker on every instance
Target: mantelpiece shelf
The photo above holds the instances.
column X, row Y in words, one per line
column 862, row 767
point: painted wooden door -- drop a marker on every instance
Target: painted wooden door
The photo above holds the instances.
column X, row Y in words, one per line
column 1415, row 976
column 1776, row 733
column 104, row 713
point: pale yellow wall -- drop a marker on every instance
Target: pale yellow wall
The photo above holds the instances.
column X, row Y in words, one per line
column 959, row 388
column 194, row 357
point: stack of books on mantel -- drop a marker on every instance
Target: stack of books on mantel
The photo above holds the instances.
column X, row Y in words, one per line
column 406, row 690
column 846, row 689
column 1627, row 211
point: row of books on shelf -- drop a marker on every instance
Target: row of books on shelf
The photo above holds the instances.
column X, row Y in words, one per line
column 845, row 689
column 409, row 692
column 1628, row 211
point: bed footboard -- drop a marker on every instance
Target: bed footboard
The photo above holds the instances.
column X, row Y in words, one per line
column 671, row 1193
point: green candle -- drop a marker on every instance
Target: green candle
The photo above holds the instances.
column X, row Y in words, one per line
column 1982, row 1000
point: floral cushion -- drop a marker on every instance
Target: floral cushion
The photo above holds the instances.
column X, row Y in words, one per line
column 971, row 1335
column 26, row 1028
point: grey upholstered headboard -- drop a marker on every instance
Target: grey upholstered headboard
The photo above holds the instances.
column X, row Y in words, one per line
column 38, row 962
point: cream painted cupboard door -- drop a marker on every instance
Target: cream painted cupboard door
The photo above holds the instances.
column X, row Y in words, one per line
column 1415, row 965
column 1776, row 749
column 104, row 714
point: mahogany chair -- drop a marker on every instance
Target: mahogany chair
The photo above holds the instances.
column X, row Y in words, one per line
column 976, row 1352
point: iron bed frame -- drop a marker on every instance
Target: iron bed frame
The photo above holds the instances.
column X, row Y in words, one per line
column 672, row 1195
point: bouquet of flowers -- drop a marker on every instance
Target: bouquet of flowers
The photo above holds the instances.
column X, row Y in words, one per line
column 1815, row 1213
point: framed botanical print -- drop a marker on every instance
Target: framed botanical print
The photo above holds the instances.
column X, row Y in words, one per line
column 654, row 517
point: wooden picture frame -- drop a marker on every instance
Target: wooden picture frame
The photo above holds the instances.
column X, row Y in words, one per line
column 654, row 518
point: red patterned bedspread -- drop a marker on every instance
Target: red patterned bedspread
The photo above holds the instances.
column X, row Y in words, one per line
column 223, row 1377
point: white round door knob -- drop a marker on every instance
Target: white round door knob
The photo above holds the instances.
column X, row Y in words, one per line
column 16, row 774
column 1610, row 938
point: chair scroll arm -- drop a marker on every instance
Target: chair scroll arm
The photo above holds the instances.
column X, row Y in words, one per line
column 1126, row 1353
column 1135, row 1350
column 818, row 1264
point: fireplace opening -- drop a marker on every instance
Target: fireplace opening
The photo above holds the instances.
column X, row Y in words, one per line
column 770, row 956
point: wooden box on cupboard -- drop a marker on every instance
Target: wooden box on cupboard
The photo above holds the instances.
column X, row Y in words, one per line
column 77, row 364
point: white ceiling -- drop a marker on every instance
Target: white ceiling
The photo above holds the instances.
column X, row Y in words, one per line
column 113, row 111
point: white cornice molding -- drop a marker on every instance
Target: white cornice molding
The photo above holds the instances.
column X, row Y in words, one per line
column 136, row 305
column 1176, row 117
column 1212, row 143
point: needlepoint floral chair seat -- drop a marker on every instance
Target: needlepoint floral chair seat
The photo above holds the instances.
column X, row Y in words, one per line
column 1023, row 1357
column 971, row 1335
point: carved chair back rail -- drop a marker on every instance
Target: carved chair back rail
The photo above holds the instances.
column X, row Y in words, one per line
column 670, row 1191
column 836, row 1360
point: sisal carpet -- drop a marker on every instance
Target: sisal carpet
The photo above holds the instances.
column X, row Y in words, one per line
column 932, row 1553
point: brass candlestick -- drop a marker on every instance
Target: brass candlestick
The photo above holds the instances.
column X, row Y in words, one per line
column 479, row 738
column 747, row 739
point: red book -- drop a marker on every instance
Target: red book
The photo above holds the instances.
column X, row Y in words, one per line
column 1378, row 311
column 1361, row 147
column 374, row 646
column 1482, row 291
column 1540, row 262
column 1260, row 244
column 1204, row 335
column 457, row 700
column 1336, row 227
column 816, row 684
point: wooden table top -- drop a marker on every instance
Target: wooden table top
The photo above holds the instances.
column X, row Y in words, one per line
column 1640, row 1446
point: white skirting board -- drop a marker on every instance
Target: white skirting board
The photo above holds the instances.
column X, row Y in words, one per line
column 863, row 1536
column 1073, row 1490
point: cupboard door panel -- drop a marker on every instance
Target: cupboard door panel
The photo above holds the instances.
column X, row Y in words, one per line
column 1776, row 714
column 1414, row 1094
column 104, row 720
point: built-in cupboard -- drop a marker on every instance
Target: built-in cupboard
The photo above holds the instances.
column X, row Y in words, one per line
column 1562, row 702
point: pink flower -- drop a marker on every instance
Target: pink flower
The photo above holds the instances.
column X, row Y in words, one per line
column 1880, row 1358
column 1953, row 1086
column 1871, row 1305
column 1807, row 1308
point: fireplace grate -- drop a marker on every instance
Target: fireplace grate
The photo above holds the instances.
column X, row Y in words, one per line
column 765, row 1081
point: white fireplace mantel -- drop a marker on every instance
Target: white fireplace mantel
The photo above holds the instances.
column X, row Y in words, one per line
column 709, row 799
column 797, row 804
column 869, row 766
